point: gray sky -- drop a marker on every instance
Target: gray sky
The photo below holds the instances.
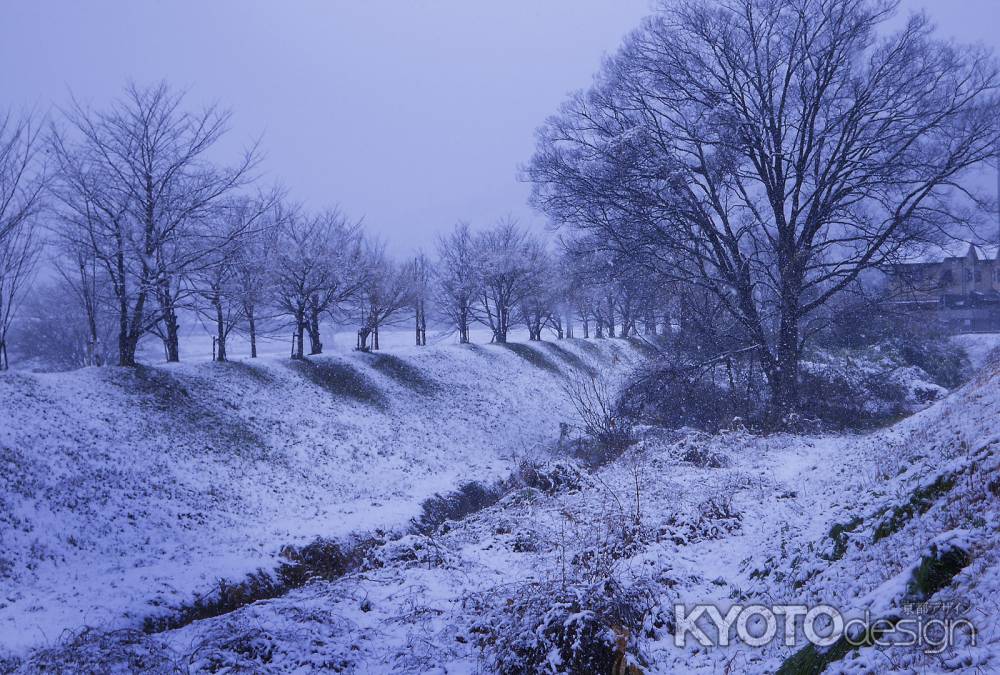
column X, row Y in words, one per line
column 412, row 113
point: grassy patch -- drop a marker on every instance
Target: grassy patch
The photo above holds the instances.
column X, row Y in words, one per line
column 645, row 345
column 838, row 534
column 402, row 372
column 570, row 359
column 813, row 660
column 340, row 380
column 469, row 498
column 324, row 559
column 919, row 503
column 164, row 392
column 533, row 356
column 936, row 571
column 225, row 597
column 255, row 373
column 587, row 345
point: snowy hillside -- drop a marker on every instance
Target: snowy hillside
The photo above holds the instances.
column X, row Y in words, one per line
column 572, row 557
column 124, row 493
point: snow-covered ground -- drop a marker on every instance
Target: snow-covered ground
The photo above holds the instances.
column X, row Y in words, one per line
column 196, row 341
column 680, row 517
column 123, row 493
column 756, row 529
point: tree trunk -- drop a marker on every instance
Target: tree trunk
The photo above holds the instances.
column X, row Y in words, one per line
column 220, row 326
column 315, row 344
column 375, row 339
column 126, row 350
column 171, row 342
column 300, row 329
column 126, row 340
column 252, row 321
column 421, row 325
column 783, row 370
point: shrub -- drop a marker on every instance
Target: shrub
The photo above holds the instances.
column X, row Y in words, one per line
column 599, row 414
column 551, row 628
column 845, row 395
column 549, row 478
column 945, row 362
column 94, row 651
column 321, row 559
column 469, row 498
column 225, row 597
column 676, row 395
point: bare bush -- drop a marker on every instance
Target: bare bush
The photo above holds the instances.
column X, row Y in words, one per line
column 595, row 400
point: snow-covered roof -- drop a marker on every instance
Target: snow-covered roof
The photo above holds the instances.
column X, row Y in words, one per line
column 956, row 248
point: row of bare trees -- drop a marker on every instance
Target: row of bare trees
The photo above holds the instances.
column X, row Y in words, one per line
column 146, row 229
column 504, row 276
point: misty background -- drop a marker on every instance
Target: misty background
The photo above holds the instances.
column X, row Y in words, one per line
column 411, row 114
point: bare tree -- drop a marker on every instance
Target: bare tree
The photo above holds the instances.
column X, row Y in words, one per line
column 538, row 302
column 771, row 151
column 136, row 187
column 456, row 280
column 509, row 264
column 20, row 249
column 22, row 182
column 241, row 223
column 387, row 291
column 318, row 266
column 420, row 271
column 253, row 269
column 83, row 278
column 57, row 330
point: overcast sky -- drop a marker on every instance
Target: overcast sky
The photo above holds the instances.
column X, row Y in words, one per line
column 411, row 113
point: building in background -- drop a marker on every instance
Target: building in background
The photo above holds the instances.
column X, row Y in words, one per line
column 961, row 292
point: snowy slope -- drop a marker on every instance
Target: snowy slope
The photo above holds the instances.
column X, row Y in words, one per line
column 681, row 517
column 123, row 493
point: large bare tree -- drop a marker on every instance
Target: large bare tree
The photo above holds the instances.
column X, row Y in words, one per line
column 770, row 152
column 138, row 189
column 22, row 180
column 420, row 272
column 22, row 183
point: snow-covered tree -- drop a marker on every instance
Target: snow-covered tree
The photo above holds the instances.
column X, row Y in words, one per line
column 385, row 294
column 770, row 152
column 21, row 191
column 455, row 280
column 137, row 188
column 318, row 266
column 509, row 266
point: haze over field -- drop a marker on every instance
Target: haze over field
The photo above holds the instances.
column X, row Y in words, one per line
column 413, row 114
